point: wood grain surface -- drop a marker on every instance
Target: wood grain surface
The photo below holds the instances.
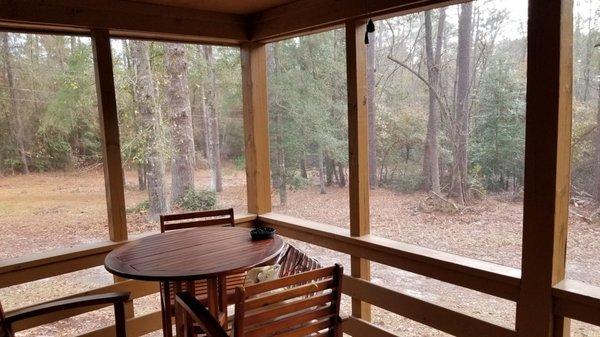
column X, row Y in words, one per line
column 192, row 254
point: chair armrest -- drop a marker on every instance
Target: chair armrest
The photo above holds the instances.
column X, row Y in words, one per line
column 76, row 302
column 200, row 315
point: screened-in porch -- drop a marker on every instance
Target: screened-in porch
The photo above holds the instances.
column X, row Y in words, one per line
column 444, row 153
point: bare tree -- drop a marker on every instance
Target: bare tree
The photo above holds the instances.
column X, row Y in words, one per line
column 460, row 135
column 150, row 120
column 15, row 118
column 431, row 168
column 321, row 172
column 180, row 113
column 280, row 171
column 213, row 147
column 127, row 60
column 371, row 111
column 597, row 134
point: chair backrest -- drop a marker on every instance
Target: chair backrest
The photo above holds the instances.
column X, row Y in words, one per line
column 222, row 217
column 296, row 305
column 4, row 327
column 294, row 261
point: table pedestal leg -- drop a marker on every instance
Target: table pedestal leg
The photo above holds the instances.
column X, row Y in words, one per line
column 213, row 296
column 223, row 300
column 179, row 313
column 216, row 291
column 165, row 298
column 187, row 321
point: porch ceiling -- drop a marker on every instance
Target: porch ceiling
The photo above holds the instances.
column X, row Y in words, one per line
column 208, row 21
column 224, row 6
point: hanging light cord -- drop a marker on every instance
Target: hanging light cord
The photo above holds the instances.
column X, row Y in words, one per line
column 370, row 25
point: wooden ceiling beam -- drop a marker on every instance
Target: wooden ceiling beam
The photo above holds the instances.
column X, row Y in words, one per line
column 307, row 16
column 126, row 19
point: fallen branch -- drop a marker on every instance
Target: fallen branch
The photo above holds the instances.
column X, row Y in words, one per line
column 584, row 218
column 445, row 200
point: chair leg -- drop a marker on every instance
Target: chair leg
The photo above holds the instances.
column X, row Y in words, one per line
column 120, row 320
column 165, row 300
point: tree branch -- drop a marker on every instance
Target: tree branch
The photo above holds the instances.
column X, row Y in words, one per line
column 435, row 93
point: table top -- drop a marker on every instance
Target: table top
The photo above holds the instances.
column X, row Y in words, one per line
column 192, row 254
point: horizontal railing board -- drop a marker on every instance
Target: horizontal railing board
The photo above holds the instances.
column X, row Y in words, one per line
column 66, row 260
column 359, row 328
column 136, row 288
column 137, row 326
column 53, row 256
column 51, row 269
column 577, row 300
column 478, row 275
column 433, row 315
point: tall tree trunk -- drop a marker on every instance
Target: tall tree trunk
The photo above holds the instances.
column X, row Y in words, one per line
column 180, row 112
column 15, row 115
column 280, row 159
column 329, row 171
column 141, row 167
column 463, row 94
column 150, row 122
column 597, row 145
column 431, row 156
column 280, row 169
column 303, row 172
column 371, row 111
column 214, row 145
column 342, row 175
column 322, row 172
column 587, row 67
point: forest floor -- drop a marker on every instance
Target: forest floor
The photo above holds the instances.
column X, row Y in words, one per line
column 40, row 212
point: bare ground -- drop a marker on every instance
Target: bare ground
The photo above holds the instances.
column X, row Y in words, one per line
column 41, row 212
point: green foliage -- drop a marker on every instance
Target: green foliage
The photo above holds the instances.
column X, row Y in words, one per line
column 408, row 180
column 307, row 104
column 298, row 183
column 56, row 104
column 198, row 200
column 141, row 207
column 498, row 135
column 239, row 162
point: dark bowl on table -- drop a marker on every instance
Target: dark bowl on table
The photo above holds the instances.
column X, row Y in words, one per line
column 262, row 233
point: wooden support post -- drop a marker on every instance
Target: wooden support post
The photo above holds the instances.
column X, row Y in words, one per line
column 107, row 106
column 109, row 125
column 358, row 144
column 547, row 165
column 256, row 127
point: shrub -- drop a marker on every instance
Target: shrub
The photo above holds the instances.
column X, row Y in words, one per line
column 298, row 183
column 239, row 163
column 198, row 200
column 143, row 206
column 408, row 179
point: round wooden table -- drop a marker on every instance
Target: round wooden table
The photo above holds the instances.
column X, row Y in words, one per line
column 193, row 254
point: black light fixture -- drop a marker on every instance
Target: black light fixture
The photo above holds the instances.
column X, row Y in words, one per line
column 370, row 29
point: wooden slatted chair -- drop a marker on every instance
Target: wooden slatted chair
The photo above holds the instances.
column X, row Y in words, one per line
column 224, row 217
column 294, row 261
column 117, row 299
column 306, row 304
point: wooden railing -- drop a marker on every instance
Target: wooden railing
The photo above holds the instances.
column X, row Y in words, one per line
column 571, row 298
